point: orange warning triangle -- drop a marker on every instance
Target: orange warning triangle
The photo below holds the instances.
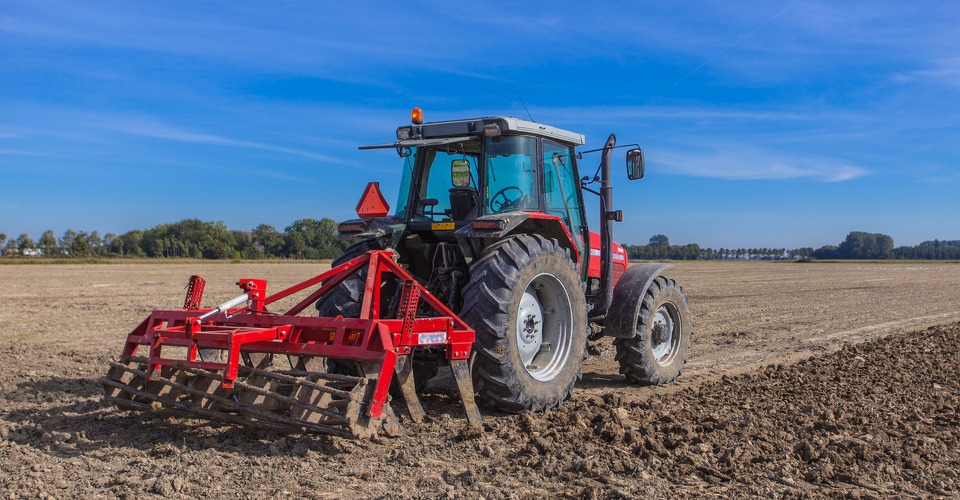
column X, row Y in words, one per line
column 372, row 203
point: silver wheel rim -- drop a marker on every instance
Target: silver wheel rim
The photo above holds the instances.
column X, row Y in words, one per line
column 665, row 334
column 543, row 330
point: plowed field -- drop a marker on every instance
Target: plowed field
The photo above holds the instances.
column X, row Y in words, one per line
column 804, row 379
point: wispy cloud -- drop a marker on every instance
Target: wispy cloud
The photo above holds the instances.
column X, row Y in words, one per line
column 153, row 128
column 735, row 43
column 264, row 38
column 745, row 163
column 944, row 71
column 691, row 112
column 22, row 152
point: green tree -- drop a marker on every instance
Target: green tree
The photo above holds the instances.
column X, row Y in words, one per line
column 329, row 245
column 80, row 246
column 130, row 243
column 801, row 253
column 294, row 244
column 25, row 243
column 862, row 245
column 48, row 243
column 659, row 240
column 268, row 239
column 95, row 242
column 66, row 241
column 319, row 238
column 108, row 243
column 827, row 252
column 3, row 238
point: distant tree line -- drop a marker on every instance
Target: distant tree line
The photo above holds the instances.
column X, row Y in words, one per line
column 857, row 245
column 317, row 239
column 861, row 245
column 659, row 248
column 303, row 239
column 930, row 250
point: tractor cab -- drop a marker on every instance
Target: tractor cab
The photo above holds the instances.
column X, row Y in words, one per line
column 467, row 185
column 467, row 178
column 474, row 181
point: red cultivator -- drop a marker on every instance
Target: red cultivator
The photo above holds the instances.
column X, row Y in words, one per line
column 241, row 363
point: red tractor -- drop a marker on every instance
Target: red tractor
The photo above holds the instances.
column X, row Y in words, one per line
column 486, row 264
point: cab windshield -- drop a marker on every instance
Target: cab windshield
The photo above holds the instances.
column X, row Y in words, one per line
column 449, row 181
column 464, row 179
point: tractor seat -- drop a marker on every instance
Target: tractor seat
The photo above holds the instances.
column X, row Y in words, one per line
column 464, row 203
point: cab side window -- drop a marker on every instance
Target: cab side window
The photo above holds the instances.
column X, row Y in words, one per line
column 560, row 188
column 511, row 174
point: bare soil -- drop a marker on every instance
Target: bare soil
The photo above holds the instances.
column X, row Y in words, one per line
column 804, row 380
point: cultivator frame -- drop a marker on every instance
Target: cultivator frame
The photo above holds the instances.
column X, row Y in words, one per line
column 240, row 383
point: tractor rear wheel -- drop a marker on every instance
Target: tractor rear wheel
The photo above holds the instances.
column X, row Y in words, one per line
column 344, row 300
column 658, row 351
column 526, row 303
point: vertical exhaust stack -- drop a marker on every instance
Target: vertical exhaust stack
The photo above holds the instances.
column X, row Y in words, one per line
column 607, row 216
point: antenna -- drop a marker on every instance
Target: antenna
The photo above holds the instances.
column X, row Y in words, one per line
column 525, row 107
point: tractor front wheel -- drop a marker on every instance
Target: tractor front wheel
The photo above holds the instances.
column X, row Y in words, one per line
column 655, row 355
column 526, row 303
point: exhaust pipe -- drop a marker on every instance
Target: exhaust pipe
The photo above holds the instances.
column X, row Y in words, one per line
column 606, row 228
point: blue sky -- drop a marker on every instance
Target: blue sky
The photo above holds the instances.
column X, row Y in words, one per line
column 765, row 124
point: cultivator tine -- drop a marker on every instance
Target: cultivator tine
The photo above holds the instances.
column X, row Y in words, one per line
column 461, row 373
column 372, row 373
column 404, row 373
column 164, row 390
column 277, row 397
column 120, row 379
column 159, row 405
column 258, row 387
column 310, row 392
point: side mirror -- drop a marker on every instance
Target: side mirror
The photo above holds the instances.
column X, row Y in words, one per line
column 460, row 173
column 635, row 164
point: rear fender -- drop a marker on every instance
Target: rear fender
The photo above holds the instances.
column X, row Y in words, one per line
column 621, row 320
column 546, row 225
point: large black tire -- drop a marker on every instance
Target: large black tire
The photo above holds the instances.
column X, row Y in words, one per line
column 658, row 351
column 344, row 300
column 524, row 293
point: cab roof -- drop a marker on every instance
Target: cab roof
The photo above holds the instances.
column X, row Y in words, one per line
column 507, row 125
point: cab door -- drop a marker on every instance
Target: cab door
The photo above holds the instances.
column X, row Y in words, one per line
column 561, row 194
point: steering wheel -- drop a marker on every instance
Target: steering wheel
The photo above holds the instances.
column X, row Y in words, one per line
column 500, row 200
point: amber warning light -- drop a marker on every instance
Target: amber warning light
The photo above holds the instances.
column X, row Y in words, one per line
column 416, row 116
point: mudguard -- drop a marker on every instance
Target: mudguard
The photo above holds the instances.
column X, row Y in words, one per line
column 621, row 320
column 517, row 222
